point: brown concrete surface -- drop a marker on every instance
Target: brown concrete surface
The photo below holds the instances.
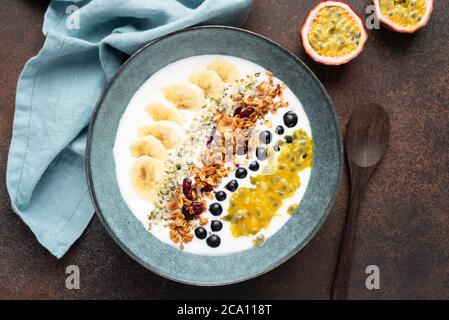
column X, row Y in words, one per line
column 404, row 221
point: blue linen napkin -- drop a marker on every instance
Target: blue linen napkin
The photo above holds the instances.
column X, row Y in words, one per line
column 86, row 42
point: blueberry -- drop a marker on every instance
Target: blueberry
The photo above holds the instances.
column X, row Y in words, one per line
column 216, row 225
column 279, row 130
column 215, row 209
column 213, row 241
column 220, row 195
column 254, row 166
column 276, row 148
column 200, row 233
column 265, row 137
column 261, row 153
column 232, row 185
column 290, row 119
column 288, row 139
column 241, row 173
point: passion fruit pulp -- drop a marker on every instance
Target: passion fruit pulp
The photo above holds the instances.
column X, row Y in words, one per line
column 404, row 15
column 333, row 33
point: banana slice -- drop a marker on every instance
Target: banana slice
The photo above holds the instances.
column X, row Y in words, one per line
column 160, row 111
column 185, row 95
column 148, row 146
column 167, row 132
column 209, row 81
column 147, row 173
column 227, row 71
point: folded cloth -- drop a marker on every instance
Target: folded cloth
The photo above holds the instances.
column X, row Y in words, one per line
column 86, row 42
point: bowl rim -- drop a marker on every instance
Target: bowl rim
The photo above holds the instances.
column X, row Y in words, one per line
column 277, row 263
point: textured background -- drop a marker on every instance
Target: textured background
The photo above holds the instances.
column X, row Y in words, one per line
column 404, row 220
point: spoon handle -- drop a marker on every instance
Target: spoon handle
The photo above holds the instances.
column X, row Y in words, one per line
column 344, row 262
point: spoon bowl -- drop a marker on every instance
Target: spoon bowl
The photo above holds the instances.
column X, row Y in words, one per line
column 367, row 135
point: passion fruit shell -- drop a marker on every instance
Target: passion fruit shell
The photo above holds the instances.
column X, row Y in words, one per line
column 333, row 34
column 406, row 16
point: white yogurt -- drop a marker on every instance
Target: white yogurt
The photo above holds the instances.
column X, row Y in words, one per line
column 135, row 117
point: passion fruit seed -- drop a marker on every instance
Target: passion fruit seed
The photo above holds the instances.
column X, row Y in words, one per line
column 292, row 209
column 334, row 33
column 405, row 13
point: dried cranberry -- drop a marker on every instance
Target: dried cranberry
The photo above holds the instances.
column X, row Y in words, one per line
column 207, row 188
column 246, row 113
column 187, row 188
column 198, row 207
column 237, row 111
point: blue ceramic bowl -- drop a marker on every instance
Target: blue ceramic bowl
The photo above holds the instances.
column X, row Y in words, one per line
column 171, row 262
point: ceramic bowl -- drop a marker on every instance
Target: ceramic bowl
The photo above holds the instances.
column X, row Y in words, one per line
column 169, row 261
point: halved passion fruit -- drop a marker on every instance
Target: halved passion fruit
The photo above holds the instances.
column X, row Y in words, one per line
column 333, row 33
column 404, row 15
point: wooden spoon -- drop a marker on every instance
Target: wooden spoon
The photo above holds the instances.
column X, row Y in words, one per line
column 366, row 141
